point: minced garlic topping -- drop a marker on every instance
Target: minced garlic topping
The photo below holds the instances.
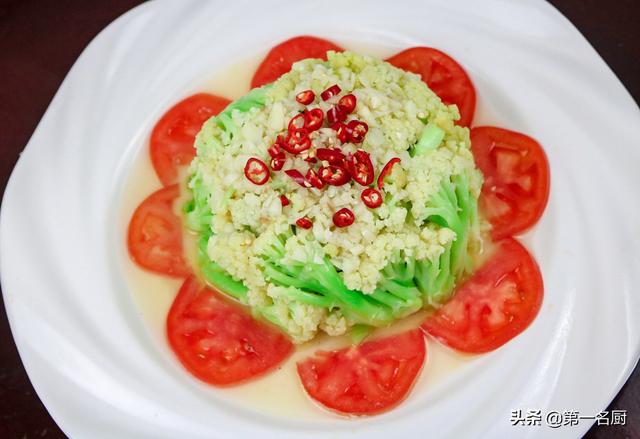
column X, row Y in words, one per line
column 396, row 105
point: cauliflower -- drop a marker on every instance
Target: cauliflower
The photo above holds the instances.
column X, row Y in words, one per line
column 392, row 260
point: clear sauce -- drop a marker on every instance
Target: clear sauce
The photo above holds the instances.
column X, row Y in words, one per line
column 280, row 392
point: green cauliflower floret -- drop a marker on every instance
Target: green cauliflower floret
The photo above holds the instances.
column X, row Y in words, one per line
column 393, row 261
column 454, row 207
column 312, row 287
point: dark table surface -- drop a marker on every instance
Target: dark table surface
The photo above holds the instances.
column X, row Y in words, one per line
column 41, row 39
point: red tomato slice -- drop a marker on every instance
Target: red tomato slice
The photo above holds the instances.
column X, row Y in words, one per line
column 443, row 75
column 173, row 135
column 155, row 235
column 218, row 341
column 497, row 303
column 279, row 60
column 516, row 172
column 365, row 379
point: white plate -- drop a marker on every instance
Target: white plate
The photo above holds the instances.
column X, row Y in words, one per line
column 82, row 341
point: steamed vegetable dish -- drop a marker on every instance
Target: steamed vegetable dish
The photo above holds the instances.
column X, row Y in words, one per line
column 324, row 231
column 341, row 194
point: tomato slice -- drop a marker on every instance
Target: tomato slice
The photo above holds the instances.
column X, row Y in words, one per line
column 173, row 135
column 218, row 341
column 155, row 234
column 365, row 379
column 497, row 303
column 516, row 185
column 443, row 75
column 280, row 59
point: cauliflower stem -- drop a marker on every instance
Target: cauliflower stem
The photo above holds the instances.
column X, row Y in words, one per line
column 408, row 284
column 405, row 255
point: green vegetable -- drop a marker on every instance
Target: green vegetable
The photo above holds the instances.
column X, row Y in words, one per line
column 198, row 216
column 431, row 137
column 255, row 98
column 359, row 333
column 319, row 284
column 216, row 275
column 454, row 207
column 408, row 284
column 197, row 212
column 316, row 284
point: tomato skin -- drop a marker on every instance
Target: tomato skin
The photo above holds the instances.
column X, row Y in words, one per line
column 366, row 379
column 155, row 235
column 173, row 136
column 443, row 75
column 496, row 304
column 218, row 341
column 279, row 60
column 517, row 179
